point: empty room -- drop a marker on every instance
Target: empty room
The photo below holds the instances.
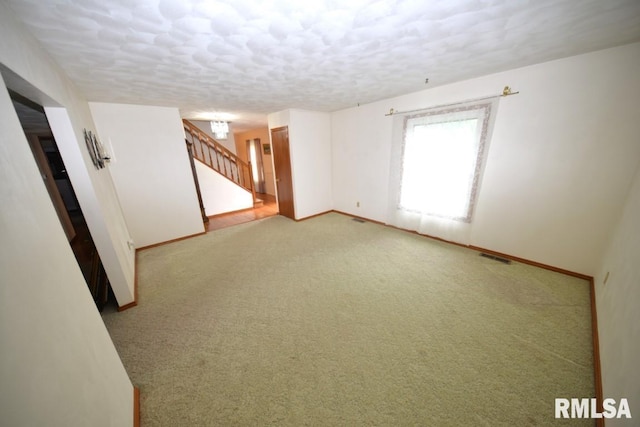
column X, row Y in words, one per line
column 333, row 213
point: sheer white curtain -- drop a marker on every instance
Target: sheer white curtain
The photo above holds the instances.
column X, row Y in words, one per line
column 437, row 162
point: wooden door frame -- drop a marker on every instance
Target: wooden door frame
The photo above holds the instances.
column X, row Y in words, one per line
column 50, row 184
column 277, row 174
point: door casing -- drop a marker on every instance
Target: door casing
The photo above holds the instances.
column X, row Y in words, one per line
column 282, row 166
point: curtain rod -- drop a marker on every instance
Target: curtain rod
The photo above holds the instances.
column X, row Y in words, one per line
column 505, row 92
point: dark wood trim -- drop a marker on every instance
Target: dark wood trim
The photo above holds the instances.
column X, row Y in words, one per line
column 283, row 171
column 479, row 249
column 135, row 269
column 596, row 353
column 35, row 142
column 136, row 407
column 135, row 276
column 594, row 313
column 428, row 236
column 155, row 245
column 534, row 263
column 312, row 216
column 128, row 306
column 401, row 229
column 594, row 318
column 135, row 286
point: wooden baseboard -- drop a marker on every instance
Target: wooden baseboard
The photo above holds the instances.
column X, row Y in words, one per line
column 135, row 268
column 136, row 407
column 135, row 286
column 529, row 262
column 128, row 306
column 596, row 354
column 594, row 319
column 594, row 314
column 312, row 216
column 155, row 245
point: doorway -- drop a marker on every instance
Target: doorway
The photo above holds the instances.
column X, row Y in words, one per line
column 58, row 184
column 282, row 165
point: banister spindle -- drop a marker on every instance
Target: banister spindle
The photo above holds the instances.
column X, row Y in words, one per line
column 232, row 167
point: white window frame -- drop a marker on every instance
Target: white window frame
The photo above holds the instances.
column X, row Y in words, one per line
column 479, row 111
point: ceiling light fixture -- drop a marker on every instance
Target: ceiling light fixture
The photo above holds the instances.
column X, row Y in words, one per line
column 220, row 129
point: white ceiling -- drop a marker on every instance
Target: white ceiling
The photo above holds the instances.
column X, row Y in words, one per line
column 253, row 57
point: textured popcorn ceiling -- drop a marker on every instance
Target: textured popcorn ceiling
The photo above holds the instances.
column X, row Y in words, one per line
column 250, row 57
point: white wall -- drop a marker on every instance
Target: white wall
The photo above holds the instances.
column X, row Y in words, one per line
column 96, row 210
column 219, row 194
column 560, row 161
column 617, row 302
column 58, row 365
column 361, row 149
column 269, row 175
column 310, row 137
column 151, row 171
column 310, row 152
column 41, row 80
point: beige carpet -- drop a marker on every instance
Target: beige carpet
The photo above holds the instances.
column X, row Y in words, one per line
column 331, row 322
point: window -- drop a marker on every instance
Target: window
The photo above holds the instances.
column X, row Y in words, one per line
column 442, row 157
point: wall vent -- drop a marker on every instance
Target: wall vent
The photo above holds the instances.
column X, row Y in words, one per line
column 496, row 258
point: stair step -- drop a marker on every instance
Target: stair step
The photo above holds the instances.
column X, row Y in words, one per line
column 257, row 203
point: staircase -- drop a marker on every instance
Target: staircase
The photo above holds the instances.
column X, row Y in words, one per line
column 216, row 156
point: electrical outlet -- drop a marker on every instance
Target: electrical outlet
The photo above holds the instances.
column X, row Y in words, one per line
column 357, row 204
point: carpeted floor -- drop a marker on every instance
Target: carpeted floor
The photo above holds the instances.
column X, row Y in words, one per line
column 331, row 322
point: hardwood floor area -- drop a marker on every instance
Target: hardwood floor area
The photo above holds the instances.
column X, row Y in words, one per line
column 269, row 208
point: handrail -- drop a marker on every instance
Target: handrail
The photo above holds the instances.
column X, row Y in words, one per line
column 206, row 138
column 225, row 163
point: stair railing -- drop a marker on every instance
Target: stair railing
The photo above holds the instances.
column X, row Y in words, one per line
column 215, row 155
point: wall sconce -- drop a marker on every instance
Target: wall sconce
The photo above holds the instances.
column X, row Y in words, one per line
column 220, row 129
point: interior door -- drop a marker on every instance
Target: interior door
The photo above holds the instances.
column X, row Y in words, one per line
column 282, row 164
